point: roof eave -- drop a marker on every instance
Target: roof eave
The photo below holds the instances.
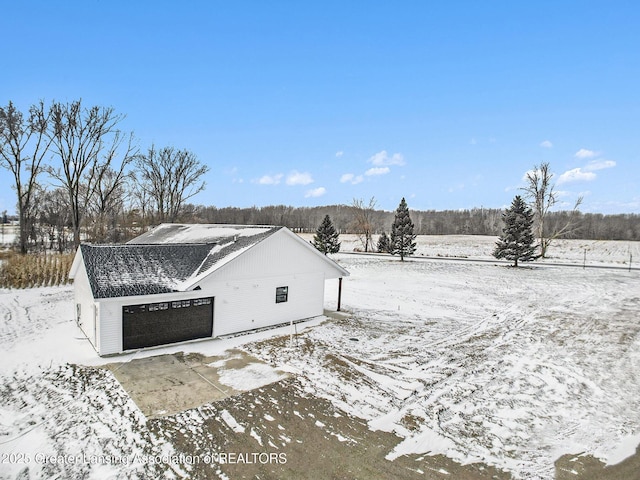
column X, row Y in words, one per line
column 344, row 272
column 75, row 266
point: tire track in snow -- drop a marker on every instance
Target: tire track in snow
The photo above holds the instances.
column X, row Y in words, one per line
column 14, row 324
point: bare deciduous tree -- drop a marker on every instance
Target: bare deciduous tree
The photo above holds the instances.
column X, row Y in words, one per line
column 170, row 177
column 363, row 221
column 85, row 140
column 108, row 198
column 55, row 217
column 542, row 194
column 23, row 146
column 106, row 203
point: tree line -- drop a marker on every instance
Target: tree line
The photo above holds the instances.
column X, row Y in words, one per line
column 78, row 176
column 50, row 227
column 476, row 221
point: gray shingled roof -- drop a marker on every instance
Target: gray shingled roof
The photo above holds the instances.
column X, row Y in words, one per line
column 151, row 264
column 124, row 270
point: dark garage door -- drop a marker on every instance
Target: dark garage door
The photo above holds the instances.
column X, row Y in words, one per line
column 152, row 324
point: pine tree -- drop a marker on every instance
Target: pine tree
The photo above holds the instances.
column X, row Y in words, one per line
column 517, row 240
column 402, row 236
column 384, row 243
column 326, row 237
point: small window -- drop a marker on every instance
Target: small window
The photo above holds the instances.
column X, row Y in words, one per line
column 133, row 309
column 154, row 307
column 282, row 294
column 201, row 301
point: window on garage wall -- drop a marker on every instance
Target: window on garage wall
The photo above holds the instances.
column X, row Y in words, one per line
column 282, row 294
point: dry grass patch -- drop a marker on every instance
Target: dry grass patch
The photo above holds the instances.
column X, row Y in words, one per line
column 34, row 269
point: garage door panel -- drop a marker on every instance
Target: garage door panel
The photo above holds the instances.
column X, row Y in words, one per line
column 149, row 325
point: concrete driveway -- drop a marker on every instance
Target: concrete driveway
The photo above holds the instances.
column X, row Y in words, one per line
column 167, row 384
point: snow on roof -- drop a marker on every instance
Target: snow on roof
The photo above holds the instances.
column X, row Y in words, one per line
column 124, row 270
column 167, row 258
column 201, row 233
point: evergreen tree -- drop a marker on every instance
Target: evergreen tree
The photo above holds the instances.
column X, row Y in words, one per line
column 326, row 237
column 384, row 243
column 402, row 236
column 517, row 239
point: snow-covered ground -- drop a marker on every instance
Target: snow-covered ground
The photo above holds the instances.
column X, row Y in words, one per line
column 511, row 367
column 8, row 235
column 59, row 418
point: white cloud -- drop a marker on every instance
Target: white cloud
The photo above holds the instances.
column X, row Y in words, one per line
column 270, row 179
column 298, row 178
column 351, row 178
column 594, row 165
column 586, row 173
column 584, row 153
column 347, row 177
column 546, row 144
column 576, row 175
column 377, row 171
column 339, row 153
column 382, row 158
column 316, row 192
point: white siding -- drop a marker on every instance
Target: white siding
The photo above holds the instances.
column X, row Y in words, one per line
column 110, row 327
column 245, row 288
column 280, row 254
column 83, row 298
column 251, row 303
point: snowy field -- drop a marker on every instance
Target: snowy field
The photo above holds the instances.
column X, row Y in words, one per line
column 481, row 363
column 596, row 252
column 8, row 235
column 509, row 367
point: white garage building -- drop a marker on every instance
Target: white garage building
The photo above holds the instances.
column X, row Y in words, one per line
column 183, row 282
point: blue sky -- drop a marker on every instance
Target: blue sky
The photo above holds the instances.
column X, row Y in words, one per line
column 311, row 103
